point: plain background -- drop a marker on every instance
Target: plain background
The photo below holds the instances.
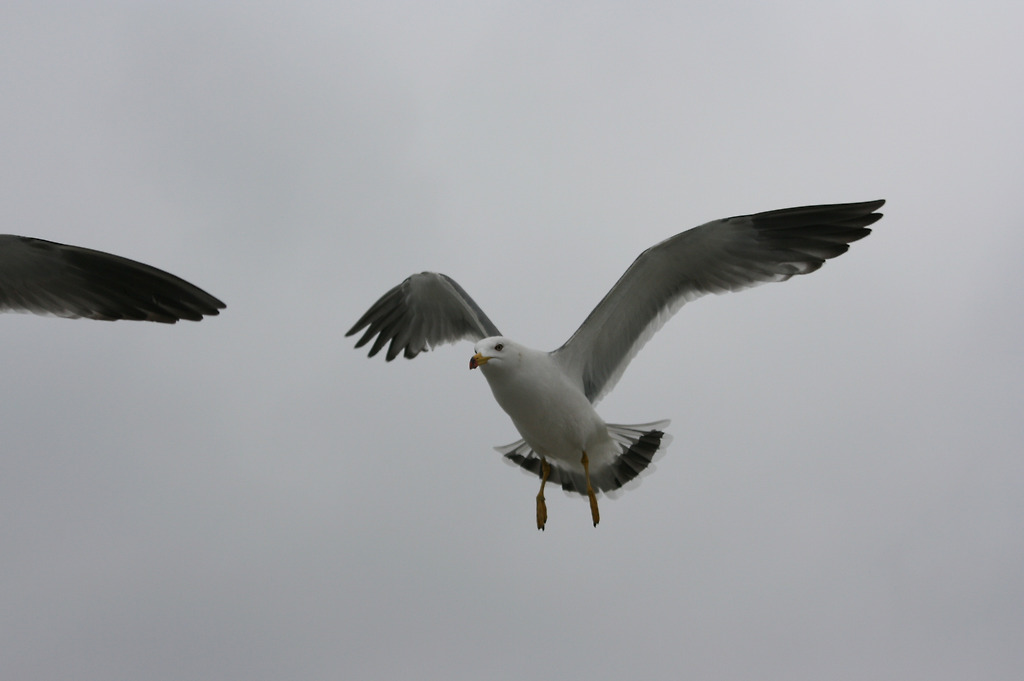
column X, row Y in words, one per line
column 250, row 498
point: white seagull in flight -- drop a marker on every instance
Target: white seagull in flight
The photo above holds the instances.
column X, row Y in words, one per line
column 550, row 396
column 47, row 278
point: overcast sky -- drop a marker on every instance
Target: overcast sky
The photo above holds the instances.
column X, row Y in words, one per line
column 250, row 498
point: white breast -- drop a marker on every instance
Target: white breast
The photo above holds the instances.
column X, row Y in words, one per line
column 548, row 409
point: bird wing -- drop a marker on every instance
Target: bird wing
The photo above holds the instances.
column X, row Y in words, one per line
column 422, row 312
column 44, row 277
column 717, row 257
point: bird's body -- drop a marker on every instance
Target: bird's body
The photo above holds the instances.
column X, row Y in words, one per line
column 548, row 409
column 550, row 396
column 555, row 418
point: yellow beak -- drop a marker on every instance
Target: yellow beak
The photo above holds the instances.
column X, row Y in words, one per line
column 478, row 360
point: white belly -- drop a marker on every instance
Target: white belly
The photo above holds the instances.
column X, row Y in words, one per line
column 551, row 413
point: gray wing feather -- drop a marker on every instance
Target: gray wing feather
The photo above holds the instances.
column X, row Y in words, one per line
column 44, row 277
column 424, row 311
column 717, row 257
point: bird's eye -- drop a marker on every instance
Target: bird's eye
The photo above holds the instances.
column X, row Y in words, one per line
column 499, row 347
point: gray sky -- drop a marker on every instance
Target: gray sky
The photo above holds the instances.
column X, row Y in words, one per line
column 250, row 498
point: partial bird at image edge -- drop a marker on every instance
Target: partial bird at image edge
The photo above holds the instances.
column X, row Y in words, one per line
column 48, row 278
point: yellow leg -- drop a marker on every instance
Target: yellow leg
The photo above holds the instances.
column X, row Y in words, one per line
column 590, row 491
column 542, row 508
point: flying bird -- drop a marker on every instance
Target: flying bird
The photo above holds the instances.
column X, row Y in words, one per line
column 550, row 396
column 47, row 278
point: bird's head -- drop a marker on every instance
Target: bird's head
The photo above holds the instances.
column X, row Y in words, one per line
column 493, row 349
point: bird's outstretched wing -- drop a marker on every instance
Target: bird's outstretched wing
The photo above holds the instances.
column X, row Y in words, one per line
column 48, row 278
column 422, row 312
column 720, row 256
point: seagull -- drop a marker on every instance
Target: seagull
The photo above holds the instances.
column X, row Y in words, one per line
column 47, row 278
column 550, row 396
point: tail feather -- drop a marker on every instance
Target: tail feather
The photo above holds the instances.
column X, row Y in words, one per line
column 639, row 446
